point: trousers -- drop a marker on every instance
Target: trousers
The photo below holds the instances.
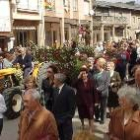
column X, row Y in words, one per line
column 65, row 130
column 100, row 111
column 1, row 125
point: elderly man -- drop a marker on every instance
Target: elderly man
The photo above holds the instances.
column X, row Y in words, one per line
column 25, row 61
column 36, row 123
column 64, row 107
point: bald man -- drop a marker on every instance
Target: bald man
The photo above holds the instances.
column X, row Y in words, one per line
column 25, row 61
column 36, row 123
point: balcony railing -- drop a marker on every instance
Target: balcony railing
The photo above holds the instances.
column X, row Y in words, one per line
column 110, row 20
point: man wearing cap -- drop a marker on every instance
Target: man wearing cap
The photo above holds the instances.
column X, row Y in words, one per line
column 64, row 107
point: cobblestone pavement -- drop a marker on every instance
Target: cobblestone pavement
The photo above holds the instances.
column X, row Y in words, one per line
column 11, row 128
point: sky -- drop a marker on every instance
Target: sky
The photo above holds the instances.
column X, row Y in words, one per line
column 118, row 0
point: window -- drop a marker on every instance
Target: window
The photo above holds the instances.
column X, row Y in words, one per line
column 65, row 3
column 86, row 8
column 5, row 23
column 75, row 5
column 105, row 12
column 33, row 4
column 21, row 38
column 29, row 5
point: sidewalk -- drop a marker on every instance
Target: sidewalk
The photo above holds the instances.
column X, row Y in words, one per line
column 10, row 130
column 100, row 129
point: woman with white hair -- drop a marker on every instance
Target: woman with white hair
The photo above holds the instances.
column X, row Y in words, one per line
column 125, row 120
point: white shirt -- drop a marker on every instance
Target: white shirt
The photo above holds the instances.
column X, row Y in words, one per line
column 60, row 88
column 99, row 49
column 23, row 56
column 3, row 107
column 7, row 63
column 138, row 52
column 111, row 73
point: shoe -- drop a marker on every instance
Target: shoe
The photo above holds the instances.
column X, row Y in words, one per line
column 96, row 120
column 102, row 122
column 108, row 115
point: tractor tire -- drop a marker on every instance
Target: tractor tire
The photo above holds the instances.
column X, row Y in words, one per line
column 13, row 100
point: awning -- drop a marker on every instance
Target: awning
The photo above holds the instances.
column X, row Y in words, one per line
column 24, row 28
column 5, row 34
column 25, row 23
column 137, row 31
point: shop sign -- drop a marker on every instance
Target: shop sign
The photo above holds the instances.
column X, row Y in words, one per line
column 5, row 20
column 49, row 4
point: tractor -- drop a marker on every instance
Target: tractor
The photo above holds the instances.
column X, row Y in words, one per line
column 11, row 86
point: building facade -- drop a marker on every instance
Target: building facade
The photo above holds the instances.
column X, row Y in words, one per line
column 44, row 22
column 114, row 21
column 5, row 24
column 26, row 16
column 62, row 19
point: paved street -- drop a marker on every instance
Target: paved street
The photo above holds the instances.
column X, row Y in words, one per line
column 11, row 128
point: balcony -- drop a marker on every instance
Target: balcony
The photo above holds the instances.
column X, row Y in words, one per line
column 49, row 5
column 28, row 6
column 110, row 20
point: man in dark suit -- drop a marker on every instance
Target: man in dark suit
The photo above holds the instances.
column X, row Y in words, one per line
column 25, row 61
column 64, row 107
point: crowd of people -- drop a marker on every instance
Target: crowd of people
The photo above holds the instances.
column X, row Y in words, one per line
column 102, row 89
column 17, row 56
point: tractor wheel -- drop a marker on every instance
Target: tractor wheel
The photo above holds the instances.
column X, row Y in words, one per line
column 13, row 100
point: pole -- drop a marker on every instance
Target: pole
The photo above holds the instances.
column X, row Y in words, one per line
column 91, row 24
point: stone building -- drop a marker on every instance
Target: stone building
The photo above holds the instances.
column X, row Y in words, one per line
column 45, row 22
column 63, row 17
column 114, row 21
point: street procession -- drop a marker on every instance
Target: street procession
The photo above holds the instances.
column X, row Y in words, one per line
column 70, row 70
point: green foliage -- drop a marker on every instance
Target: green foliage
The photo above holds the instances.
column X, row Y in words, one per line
column 87, row 50
column 65, row 58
